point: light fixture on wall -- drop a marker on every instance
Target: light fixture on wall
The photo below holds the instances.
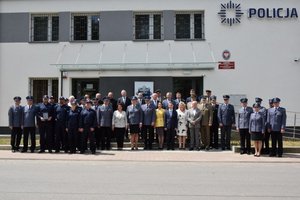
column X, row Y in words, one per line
column 65, row 74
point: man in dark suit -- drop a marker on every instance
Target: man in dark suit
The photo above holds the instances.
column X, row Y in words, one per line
column 171, row 124
column 124, row 100
column 155, row 100
column 226, row 116
column 15, row 115
column 214, row 129
column 193, row 96
column 178, row 99
column 165, row 103
column 276, row 122
column 194, row 117
column 148, row 123
column 113, row 102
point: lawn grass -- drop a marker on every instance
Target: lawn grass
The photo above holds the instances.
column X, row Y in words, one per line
column 235, row 141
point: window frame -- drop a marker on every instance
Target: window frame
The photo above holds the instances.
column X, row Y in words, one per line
column 192, row 25
column 89, row 26
column 151, row 26
column 49, row 27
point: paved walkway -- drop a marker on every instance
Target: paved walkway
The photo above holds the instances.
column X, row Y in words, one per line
column 153, row 156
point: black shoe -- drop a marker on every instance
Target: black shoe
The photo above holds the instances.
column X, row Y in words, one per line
column 242, row 152
column 228, row 148
column 93, row 152
column 223, row 148
column 145, row 148
column 81, row 152
column 56, row 151
column 31, row 151
column 132, row 148
column 248, row 152
column 198, row 149
column 24, row 151
column 272, row 155
column 279, row 156
column 207, row 148
column 50, row 151
column 191, row 149
column 42, row 151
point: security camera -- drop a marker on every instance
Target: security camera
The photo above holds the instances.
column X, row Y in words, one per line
column 297, row 59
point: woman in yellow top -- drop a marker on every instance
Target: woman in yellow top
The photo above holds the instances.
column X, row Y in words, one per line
column 159, row 125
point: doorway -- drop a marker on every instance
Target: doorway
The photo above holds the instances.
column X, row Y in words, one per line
column 184, row 84
column 81, row 87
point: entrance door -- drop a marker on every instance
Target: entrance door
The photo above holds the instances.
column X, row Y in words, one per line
column 184, row 84
column 81, row 87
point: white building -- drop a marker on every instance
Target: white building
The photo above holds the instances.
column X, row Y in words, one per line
column 64, row 47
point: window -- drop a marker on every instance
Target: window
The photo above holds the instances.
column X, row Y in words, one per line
column 44, row 28
column 189, row 25
column 148, row 26
column 85, row 27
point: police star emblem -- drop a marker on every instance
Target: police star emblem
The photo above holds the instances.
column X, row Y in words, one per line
column 228, row 8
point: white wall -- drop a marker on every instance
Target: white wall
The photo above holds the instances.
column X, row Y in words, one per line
column 263, row 49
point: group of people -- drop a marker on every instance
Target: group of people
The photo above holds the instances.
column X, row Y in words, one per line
column 78, row 125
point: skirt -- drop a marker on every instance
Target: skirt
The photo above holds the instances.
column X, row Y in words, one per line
column 160, row 131
column 134, row 128
column 257, row 136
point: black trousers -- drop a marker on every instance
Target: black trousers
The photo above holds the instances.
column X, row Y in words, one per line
column 61, row 137
column 27, row 131
column 98, row 137
column 245, row 140
column 214, row 135
column 120, row 133
column 266, row 142
column 277, row 147
column 170, row 138
column 88, row 135
column 15, row 138
column 46, row 136
column 225, row 137
column 105, row 137
column 148, row 138
column 72, row 139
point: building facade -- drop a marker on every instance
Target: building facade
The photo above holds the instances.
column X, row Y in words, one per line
column 240, row 48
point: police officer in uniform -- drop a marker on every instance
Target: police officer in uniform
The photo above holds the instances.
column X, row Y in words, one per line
column 149, row 115
column 242, row 127
column 29, row 125
column 44, row 116
column 214, row 129
column 226, row 118
column 266, row 140
column 105, row 114
column 72, row 126
column 60, row 113
column 87, row 124
column 15, row 115
column 276, row 126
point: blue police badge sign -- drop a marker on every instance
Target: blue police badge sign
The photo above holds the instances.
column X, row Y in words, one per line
column 230, row 7
column 226, row 54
